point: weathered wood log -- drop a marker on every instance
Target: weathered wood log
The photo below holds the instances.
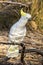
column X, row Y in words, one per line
column 9, row 7
column 15, row 3
column 26, row 50
column 10, row 13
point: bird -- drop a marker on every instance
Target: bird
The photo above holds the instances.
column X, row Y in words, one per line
column 17, row 33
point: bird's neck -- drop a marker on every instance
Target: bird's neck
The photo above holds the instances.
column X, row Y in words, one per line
column 22, row 21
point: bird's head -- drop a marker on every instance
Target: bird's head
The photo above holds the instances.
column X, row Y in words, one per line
column 26, row 15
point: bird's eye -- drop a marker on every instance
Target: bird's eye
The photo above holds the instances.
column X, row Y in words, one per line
column 29, row 19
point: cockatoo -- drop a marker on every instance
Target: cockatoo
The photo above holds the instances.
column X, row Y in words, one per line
column 17, row 34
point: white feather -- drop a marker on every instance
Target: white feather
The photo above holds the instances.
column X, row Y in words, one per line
column 17, row 34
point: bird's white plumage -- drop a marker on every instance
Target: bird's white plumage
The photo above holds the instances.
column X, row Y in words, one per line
column 17, row 36
column 17, row 33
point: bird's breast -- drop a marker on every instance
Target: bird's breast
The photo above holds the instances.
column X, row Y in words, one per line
column 17, row 35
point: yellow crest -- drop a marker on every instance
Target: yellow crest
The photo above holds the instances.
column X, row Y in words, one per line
column 22, row 13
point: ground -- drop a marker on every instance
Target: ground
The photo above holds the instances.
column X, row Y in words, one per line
column 34, row 40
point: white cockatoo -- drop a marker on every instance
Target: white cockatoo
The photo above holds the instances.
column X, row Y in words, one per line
column 17, row 34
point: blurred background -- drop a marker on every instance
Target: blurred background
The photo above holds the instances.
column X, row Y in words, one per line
column 35, row 9
column 10, row 14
